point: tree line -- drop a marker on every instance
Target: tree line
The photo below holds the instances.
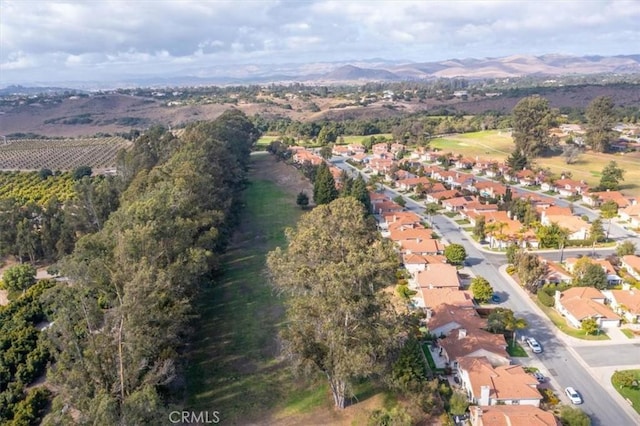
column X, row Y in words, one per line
column 123, row 321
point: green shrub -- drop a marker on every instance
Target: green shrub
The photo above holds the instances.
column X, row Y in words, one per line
column 545, row 299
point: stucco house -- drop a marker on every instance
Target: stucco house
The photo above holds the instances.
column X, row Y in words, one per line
column 579, row 303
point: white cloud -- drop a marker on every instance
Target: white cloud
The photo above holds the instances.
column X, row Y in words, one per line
column 45, row 38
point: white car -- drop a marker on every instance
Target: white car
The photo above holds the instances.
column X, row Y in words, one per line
column 534, row 345
column 573, row 395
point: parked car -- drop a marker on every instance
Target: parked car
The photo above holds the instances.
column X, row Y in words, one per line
column 573, row 395
column 534, row 345
column 495, row 298
column 539, row 376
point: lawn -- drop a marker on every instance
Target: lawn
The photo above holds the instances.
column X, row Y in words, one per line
column 233, row 369
column 266, row 139
column 628, row 333
column 632, row 394
column 493, row 144
column 562, row 325
column 515, row 350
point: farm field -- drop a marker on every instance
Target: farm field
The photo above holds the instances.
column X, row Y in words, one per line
column 27, row 187
column 61, row 154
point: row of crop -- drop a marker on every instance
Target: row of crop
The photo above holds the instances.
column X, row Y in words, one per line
column 62, row 143
column 24, row 355
column 29, row 187
column 64, row 158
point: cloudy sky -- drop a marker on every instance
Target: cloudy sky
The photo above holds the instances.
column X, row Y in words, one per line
column 50, row 40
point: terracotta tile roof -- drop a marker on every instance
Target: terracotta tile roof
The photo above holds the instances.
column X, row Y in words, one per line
column 558, row 211
column 460, row 201
column 433, row 297
column 422, row 246
column 632, row 260
column 414, row 259
column 413, row 181
column 628, row 298
column 512, row 415
column 443, row 195
column 377, row 196
column 578, row 301
column 445, row 313
column 633, row 210
column 438, row 275
column 615, row 196
column 398, row 234
column 505, row 382
column 606, row 265
column 402, row 217
column 475, row 340
column 573, row 223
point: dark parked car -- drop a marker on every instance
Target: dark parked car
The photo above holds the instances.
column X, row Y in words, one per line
column 495, row 298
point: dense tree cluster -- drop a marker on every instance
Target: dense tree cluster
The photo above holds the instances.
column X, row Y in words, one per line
column 532, row 119
column 24, row 355
column 333, row 271
column 122, row 323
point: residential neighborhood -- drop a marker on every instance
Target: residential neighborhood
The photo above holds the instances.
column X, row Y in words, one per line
column 464, row 192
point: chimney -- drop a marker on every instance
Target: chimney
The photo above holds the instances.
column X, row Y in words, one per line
column 462, row 333
column 485, row 391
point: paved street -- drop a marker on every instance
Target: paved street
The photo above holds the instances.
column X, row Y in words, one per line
column 559, row 361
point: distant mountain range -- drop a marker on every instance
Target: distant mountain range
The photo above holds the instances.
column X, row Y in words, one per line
column 371, row 70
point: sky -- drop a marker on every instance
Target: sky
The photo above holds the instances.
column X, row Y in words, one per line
column 89, row 40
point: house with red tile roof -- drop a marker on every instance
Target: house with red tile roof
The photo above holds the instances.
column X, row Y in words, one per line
column 625, row 302
column 511, row 415
column 432, row 297
column 458, row 203
column 412, row 182
column 579, row 303
column 464, row 163
column 631, row 263
column 566, row 187
column 424, row 247
column 438, row 275
column 444, row 318
column 612, row 276
column 439, row 196
column 302, row 155
column 490, row 189
column 631, row 214
column 487, row 385
column 596, row 199
column 474, row 342
column 579, row 228
column 383, row 207
column 399, row 233
column 556, row 274
column 381, row 165
column 342, row 150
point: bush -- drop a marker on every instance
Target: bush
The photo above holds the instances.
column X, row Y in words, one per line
column 546, row 299
column 549, row 397
column 396, row 416
column 511, row 269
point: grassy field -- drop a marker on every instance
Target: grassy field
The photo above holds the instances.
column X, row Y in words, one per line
column 234, row 369
column 632, row 394
column 487, row 144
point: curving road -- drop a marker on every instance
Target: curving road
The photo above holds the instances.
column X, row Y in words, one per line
column 562, row 362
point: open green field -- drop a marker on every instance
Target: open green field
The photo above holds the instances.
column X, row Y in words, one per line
column 489, row 144
column 234, row 369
